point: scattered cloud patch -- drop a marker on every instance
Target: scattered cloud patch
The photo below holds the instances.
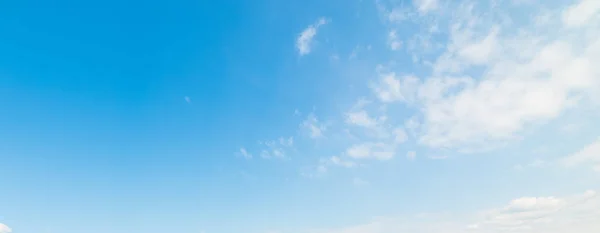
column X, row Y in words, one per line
column 271, row 149
column 315, row 128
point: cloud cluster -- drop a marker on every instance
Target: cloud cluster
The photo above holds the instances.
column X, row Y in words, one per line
column 496, row 78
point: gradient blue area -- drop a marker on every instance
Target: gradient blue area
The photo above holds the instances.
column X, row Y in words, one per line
column 96, row 135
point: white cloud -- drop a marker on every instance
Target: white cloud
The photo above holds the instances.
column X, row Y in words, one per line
column 361, row 118
column 245, row 153
column 497, row 79
column 369, row 150
column 581, row 13
column 5, row 228
column 589, row 154
column 305, row 39
column 314, row 127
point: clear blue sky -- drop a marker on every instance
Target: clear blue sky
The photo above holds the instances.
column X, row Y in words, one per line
column 338, row 116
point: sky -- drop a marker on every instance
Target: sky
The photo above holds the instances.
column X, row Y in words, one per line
column 300, row 116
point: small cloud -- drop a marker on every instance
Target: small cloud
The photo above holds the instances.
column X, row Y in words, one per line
column 304, row 40
column 425, row 6
column 379, row 151
column 394, row 42
column 314, row 127
column 187, row 99
column 5, row 228
column 245, row 153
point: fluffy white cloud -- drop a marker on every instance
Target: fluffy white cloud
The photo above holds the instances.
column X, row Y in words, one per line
column 497, row 78
column 5, row 228
column 305, row 39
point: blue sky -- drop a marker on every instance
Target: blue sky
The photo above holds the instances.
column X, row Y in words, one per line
column 358, row 116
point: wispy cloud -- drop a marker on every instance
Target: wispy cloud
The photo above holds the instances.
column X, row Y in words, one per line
column 305, row 39
column 245, row 153
column 315, row 128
